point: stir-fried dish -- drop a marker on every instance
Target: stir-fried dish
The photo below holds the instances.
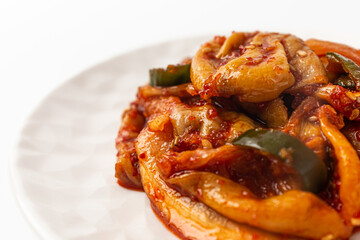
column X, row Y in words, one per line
column 255, row 137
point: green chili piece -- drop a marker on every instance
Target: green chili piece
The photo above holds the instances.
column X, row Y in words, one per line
column 312, row 170
column 348, row 65
column 345, row 82
column 171, row 76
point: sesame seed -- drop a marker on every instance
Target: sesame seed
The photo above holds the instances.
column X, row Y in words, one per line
column 258, row 44
column 328, row 237
column 206, row 144
column 301, row 53
column 313, row 118
column 355, row 221
column 354, row 114
column 250, row 47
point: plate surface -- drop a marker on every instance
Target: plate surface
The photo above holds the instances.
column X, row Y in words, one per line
column 63, row 173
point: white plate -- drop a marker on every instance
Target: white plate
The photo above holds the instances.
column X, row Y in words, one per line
column 63, row 174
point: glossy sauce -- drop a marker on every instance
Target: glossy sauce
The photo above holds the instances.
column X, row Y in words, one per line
column 343, row 103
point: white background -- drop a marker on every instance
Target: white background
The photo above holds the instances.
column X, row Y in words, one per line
column 45, row 42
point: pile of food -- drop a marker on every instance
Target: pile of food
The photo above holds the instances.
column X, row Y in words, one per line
column 255, row 137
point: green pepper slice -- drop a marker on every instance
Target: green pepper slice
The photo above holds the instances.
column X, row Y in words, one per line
column 312, row 170
column 345, row 82
column 171, row 76
column 348, row 65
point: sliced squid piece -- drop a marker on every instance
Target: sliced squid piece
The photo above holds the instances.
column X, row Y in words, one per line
column 238, row 164
column 133, row 120
column 239, row 123
column 274, row 113
column 208, row 120
column 173, row 162
column 348, row 164
column 158, row 105
column 204, row 63
column 305, row 65
column 256, row 68
column 127, row 164
column 190, row 219
column 314, row 218
column 322, row 47
column 234, row 41
column 304, row 124
column 185, row 118
column 260, row 74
